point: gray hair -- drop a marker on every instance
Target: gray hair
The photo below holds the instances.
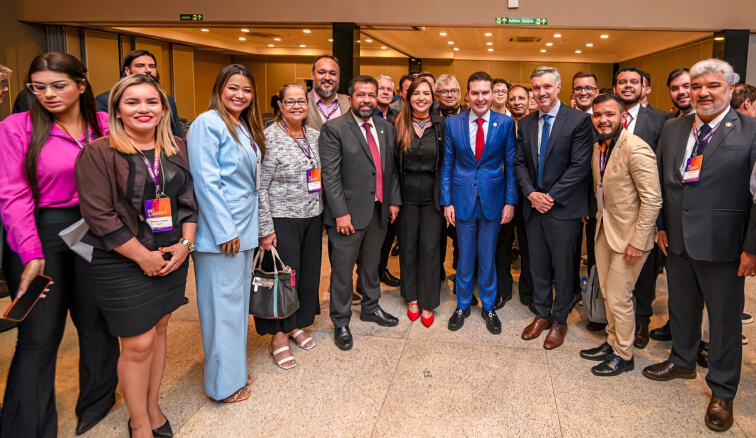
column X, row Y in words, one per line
column 715, row 66
column 446, row 79
column 540, row 71
column 5, row 72
column 386, row 77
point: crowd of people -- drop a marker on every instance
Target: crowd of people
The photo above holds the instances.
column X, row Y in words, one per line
column 643, row 187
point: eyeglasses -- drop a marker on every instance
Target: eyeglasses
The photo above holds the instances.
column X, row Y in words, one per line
column 500, row 92
column 291, row 103
column 581, row 89
column 57, row 87
column 454, row 92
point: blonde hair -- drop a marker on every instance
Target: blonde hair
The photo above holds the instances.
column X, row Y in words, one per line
column 5, row 72
column 119, row 139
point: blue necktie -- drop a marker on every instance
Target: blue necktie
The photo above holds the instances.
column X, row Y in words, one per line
column 544, row 143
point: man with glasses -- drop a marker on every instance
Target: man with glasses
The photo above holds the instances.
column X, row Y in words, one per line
column 584, row 90
column 500, row 91
column 324, row 103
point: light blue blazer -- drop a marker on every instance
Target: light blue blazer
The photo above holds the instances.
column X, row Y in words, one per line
column 224, row 184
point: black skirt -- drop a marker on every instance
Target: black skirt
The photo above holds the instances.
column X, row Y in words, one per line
column 132, row 302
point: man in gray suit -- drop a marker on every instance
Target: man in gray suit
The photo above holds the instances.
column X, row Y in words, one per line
column 707, row 228
column 323, row 102
column 361, row 187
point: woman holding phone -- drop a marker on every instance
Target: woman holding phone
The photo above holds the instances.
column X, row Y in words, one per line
column 39, row 199
column 225, row 153
column 137, row 197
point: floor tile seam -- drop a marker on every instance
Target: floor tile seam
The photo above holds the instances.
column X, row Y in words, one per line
column 188, row 420
column 553, row 394
column 391, row 383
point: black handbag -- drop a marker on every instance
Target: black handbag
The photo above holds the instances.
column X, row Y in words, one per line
column 274, row 294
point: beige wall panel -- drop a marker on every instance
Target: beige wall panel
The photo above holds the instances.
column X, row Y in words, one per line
column 440, row 66
column 668, row 62
column 183, row 67
column 207, row 65
column 651, row 66
column 604, row 74
column 303, row 67
column 280, row 70
column 73, row 42
column 166, row 78
column 467, row 68
column 504, row 70
column 102, row 60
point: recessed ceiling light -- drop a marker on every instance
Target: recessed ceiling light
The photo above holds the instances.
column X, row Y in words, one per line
column 242, row 39
column 330, row 40
column 451, row 42
column 245, row 30
column 271, row 45
column 302, row 45
column 489, row 43
column 488, row 34
column 359, row 41
column 557, row 35
column 543, row 50
column 719, row 39
column 549, row 44
column 384, row 47
column 205, row 30
column 276, row 39
column 456, row 49
column 604, row 36
column 589, row 45
column 442, row 33
column 307, row 31
column 368, row 41
column 578, row 51
column 490, row 50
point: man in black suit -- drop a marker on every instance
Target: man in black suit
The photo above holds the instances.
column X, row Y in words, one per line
column 646, row 123
column 708, row 230
column 142, row 62
column 552, row 165
column 361, row 187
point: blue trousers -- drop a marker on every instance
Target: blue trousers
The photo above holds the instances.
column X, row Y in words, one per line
column 477, row 237
column 223, row 287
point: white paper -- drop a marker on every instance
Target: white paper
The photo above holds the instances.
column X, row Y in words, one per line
column 73, row 235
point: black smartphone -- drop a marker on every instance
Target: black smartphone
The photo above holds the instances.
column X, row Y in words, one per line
column 22, row 305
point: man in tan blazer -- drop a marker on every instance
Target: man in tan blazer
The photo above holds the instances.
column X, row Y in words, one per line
column 628, row 195
column 323, row 102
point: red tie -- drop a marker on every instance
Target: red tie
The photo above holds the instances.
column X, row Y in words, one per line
column 628, row 120
column 480, row 139
column 377, row 160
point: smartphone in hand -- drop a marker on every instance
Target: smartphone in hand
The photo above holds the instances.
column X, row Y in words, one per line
column 23, row 304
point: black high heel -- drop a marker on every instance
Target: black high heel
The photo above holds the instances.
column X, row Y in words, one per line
column 163, row 431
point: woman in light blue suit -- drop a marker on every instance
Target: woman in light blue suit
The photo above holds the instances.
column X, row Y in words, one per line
column 224, row 156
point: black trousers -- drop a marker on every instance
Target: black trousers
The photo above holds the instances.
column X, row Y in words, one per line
column 552, row 244
column 590, row 245
column 300, row 245
column 645, row 288
column 692, row 284
column 420, row 253
column 504, row 245
column 363, row 248
column 29, row 404
column 388, row 242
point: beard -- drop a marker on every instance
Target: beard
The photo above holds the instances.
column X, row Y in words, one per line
column 719, row 106
column 631, row 102
column 364, row 112
column 610, row 136
column 325, row 94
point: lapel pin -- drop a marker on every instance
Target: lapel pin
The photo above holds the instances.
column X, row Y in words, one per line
column 728, row 124
column 381, row 132
column 494, row 123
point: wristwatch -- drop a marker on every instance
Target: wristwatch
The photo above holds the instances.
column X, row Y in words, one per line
column 188, row 244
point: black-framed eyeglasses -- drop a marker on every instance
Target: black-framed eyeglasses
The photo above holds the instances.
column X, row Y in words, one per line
column 454, row 92
column 581, row 89
column 291, row 103
column 57, row 86
column 500, row 92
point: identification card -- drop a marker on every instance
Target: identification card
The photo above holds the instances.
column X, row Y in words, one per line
column 600, row 197
column 313, row 180
column 693, row 169
column 159, row 214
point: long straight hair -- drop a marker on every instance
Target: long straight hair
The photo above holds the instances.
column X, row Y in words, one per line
column 119, row 139
column 42, row 119
column 250, row 115
column 403, row 121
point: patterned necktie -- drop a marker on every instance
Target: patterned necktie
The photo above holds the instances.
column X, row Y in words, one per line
column 702, row 140
column 544, row 143
column 629, row 119
column 480, row 140
column 377, row 161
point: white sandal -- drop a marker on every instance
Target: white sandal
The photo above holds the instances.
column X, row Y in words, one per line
column 284, row 360
column 302, row 345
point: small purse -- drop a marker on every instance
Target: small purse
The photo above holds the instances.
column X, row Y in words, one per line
column 274, row 294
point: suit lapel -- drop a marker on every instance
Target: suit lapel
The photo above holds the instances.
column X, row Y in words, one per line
column 466, row 132
column 561, row 118
column 731, row 118
column 313, row 111
column 357, row 132
column 641, row 122
column 680, row 145
column 534, row 145
column 493, row 126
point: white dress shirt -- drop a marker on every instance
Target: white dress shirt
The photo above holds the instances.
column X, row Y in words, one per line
column 374, row 134
column 541, row 119
column 692, row 137
column 634, row 116
column 474, row 127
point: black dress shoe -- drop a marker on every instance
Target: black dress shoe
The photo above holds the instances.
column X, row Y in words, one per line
column 600, row 353
column 662, row 333
column 492, row 321
column 703, row 355
column 613, row 366
column 343, row 338
column 501, row 301
column 86, row 423
column 380, row 317
column 163, row 431
column 457, row 319
column 596, row 326
column 388, row 279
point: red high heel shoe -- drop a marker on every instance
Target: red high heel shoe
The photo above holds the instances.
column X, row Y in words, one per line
column 412, row 316
column 427, row 321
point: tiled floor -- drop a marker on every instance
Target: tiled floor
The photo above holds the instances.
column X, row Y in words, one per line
column 413, row 381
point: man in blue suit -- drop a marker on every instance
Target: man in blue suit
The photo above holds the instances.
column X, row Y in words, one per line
column 478, row 188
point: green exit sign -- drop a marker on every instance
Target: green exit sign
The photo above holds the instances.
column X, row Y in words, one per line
column 191, row 17
column 522, row 21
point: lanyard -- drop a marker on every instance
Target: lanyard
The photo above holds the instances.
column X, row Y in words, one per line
column 76, row 140
column 604, row 157
column 330, row 113
column 248, row 135
column 154, row 170
column 705, row 140
column 308, row 152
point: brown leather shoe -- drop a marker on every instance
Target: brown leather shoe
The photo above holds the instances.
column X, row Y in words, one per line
column 535, row 328
column 719, row 414
column 667, row 371
column 356, row 299
column 641, row 336
column 555, row 337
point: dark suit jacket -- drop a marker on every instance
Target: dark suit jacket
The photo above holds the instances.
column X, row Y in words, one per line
column 348, row 170
column 439, row 126
column 649, row 125
column 567, row 165
column 713, row 219
column 102, row 105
